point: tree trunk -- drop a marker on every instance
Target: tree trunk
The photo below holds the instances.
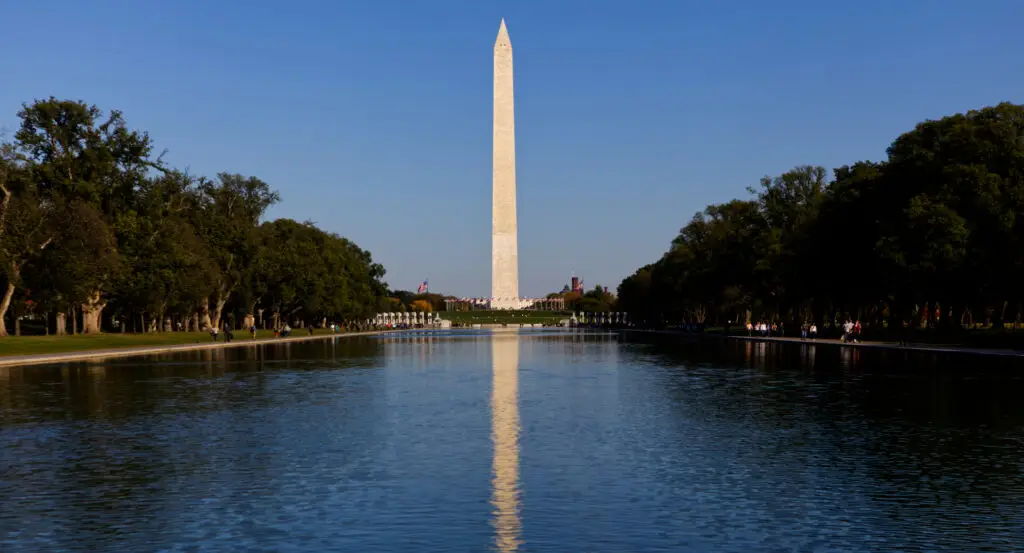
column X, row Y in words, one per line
column 1002, row 315
column 74, row 322
column 61, row 329
column 17, row 326
column 204, row 314
column 5, row 303
column 195, row 322
column 250, row 317
column 91, row 313
column 218, row 309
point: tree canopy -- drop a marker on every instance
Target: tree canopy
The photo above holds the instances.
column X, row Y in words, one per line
column 930, row 235
column 95, row 227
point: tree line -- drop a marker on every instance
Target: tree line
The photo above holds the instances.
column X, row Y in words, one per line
column 595, row 300
column 401, row 301
column 930, row 237
column 97, row 232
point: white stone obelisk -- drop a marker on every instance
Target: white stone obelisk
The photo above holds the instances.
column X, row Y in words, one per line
column 504, row 228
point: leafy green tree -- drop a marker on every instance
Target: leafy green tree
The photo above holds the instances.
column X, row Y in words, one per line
column 168, row 267
column 597, row 300
column 26, row 225
column 83, row 260
column 90, row 223
column 934, row 228
column 302, row 273
column 229, row 210
column 635, row 295
column 404, row 297
column 83, row 168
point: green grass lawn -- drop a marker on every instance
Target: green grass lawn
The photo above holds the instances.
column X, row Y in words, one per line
column 34, row 345
column 506, row 317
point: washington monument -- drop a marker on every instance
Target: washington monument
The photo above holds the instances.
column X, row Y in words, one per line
column 504, row 231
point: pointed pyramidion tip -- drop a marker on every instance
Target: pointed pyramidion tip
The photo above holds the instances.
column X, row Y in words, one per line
column 503, row 39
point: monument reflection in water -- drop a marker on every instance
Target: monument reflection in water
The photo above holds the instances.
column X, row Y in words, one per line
column 505, row 437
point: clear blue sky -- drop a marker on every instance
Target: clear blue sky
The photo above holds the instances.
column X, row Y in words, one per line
column 373, row 118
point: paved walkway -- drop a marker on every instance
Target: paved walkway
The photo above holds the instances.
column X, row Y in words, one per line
column 937, row 348
column 98, row 354
column 931, row 348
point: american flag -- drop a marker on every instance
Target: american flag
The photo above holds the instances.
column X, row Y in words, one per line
column 422, row 288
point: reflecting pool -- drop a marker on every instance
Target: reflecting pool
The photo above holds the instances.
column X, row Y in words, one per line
column 514, row 441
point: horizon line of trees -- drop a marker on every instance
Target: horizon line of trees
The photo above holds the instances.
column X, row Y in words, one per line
column 594, row 300
column 95, row 230
column 931, row 236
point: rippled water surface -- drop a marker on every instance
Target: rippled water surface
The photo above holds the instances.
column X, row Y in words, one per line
column 553, row 442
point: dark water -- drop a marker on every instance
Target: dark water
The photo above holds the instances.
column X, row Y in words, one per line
column 516, row 442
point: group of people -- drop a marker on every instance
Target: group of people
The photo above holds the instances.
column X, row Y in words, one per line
column 284, row 331
column 851, row 330
column 808, row 331
column 230, row 335
column 279, row 332
column 766, row 329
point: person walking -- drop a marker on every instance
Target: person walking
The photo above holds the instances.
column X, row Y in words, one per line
column 847, row 331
